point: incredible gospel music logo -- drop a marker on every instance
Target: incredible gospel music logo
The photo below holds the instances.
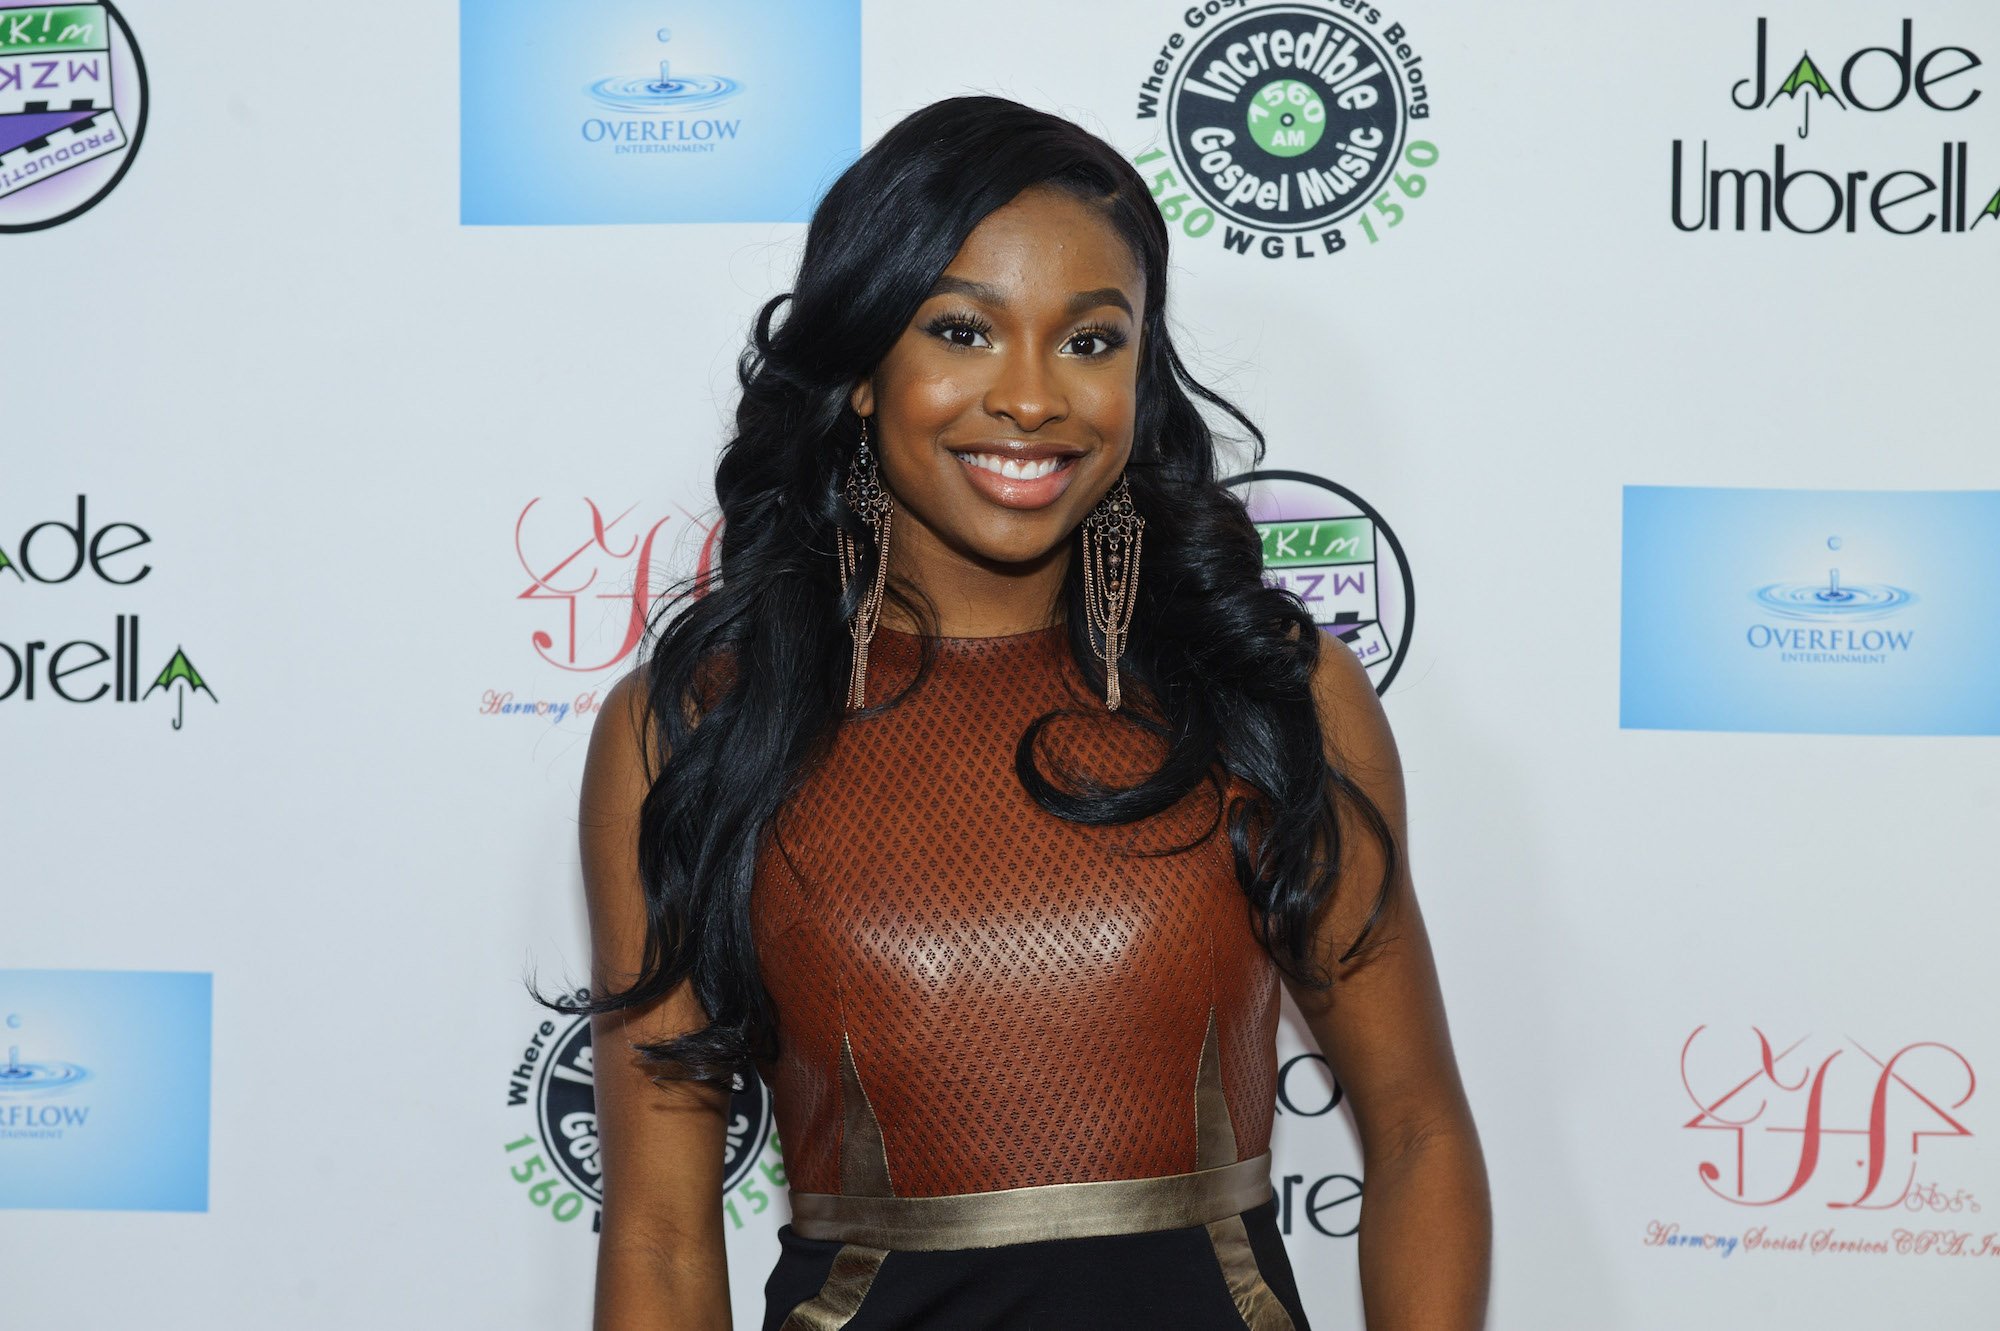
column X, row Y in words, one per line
column 1287, row 129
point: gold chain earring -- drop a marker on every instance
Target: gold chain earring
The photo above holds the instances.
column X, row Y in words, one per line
column 870, row 502
column 1111, row 535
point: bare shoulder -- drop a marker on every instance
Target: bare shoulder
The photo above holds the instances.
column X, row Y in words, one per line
column 623, row 753
column 1353, row 723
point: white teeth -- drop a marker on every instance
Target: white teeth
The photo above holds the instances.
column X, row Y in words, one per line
column 1014, row 469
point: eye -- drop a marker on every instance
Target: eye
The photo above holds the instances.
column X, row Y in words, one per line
column 959, row 330
column 1097, row 340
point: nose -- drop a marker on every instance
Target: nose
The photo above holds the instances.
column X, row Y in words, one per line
column 1026, row 391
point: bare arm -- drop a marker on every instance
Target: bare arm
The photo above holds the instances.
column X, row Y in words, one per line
column 1426, row 1227
column 660, row 1258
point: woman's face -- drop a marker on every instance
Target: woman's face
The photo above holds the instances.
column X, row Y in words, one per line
column 1005, row 409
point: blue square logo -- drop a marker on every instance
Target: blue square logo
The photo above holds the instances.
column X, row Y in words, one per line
column 1857, row 612
column 616, row 111
column 104, row 1090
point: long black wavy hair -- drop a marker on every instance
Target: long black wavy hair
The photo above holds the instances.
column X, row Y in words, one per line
column 1224, row 662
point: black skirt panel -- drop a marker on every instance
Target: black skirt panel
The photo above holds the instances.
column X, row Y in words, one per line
column 1119, row 1282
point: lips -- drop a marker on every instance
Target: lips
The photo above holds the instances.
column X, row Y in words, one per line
column 1018, row 475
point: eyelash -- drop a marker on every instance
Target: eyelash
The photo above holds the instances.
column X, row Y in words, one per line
column 945, row 324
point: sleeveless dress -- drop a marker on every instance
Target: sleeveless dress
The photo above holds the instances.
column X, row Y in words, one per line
column 1026, row 1068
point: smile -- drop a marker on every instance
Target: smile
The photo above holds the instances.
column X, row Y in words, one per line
column 1018, row 474
column 1014, row 469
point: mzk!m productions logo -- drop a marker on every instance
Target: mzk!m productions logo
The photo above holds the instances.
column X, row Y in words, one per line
column 1329, row 547
column 56, row 553
column 553, row 1091
column 1288, row 127
column 72, row 110
column 1805, row 183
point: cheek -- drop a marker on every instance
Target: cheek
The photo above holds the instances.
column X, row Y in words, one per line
column 1110, row 406
column 937, row 396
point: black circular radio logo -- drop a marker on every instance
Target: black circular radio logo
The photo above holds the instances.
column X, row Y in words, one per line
column 1286, row 118
column 566, row 1113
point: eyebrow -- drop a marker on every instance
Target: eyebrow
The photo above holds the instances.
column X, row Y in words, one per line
column 989, row 294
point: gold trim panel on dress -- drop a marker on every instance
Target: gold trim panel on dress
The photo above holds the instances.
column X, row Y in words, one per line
column 848, row 1281
column 1031, row 1215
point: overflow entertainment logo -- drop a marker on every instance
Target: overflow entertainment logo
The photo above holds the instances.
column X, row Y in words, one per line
column 104, row 1089
column 1284, row 121
column 33, row 670
column 1807, row 183
column 597, row 113
column 72, row 110
column 1815, row 611
column 1329, row 545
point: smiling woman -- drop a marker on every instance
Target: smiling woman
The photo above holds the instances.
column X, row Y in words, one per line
column 1001, row 911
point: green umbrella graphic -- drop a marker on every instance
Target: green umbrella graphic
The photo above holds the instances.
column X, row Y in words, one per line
column 1992, row 210
column 1806, row 79
column 180, row 671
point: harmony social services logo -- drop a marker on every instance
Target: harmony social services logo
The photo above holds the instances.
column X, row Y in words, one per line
column 73, row 105
column 1328, row 545
column 1284, row 121
column 1803, row 101
column 595, row 580
column 1830, row 1147
column 556, row 1160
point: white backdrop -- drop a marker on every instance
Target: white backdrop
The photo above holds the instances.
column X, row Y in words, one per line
column 355, row 430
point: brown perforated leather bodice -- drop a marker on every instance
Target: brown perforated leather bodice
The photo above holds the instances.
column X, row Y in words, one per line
column 1008, row 998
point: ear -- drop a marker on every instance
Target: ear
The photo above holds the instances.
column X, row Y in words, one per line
column 862, row 399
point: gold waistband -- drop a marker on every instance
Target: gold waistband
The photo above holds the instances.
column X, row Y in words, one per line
column 1030, row 1215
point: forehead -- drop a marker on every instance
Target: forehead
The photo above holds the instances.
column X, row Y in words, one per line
column 1046, row 243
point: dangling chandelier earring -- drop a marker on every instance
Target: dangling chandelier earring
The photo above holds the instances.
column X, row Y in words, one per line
column 870, row 502
column 1111, row 535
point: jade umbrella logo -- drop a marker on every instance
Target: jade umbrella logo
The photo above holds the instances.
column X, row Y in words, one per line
column 72, row 110
column 1283, row 121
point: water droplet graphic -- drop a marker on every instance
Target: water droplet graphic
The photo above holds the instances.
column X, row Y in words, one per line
column 668, row 92
column 1833, row 542
column 1832, row 600
column 18, row 1076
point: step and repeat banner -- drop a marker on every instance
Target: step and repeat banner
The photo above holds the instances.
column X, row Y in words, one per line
column 1628, row 377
